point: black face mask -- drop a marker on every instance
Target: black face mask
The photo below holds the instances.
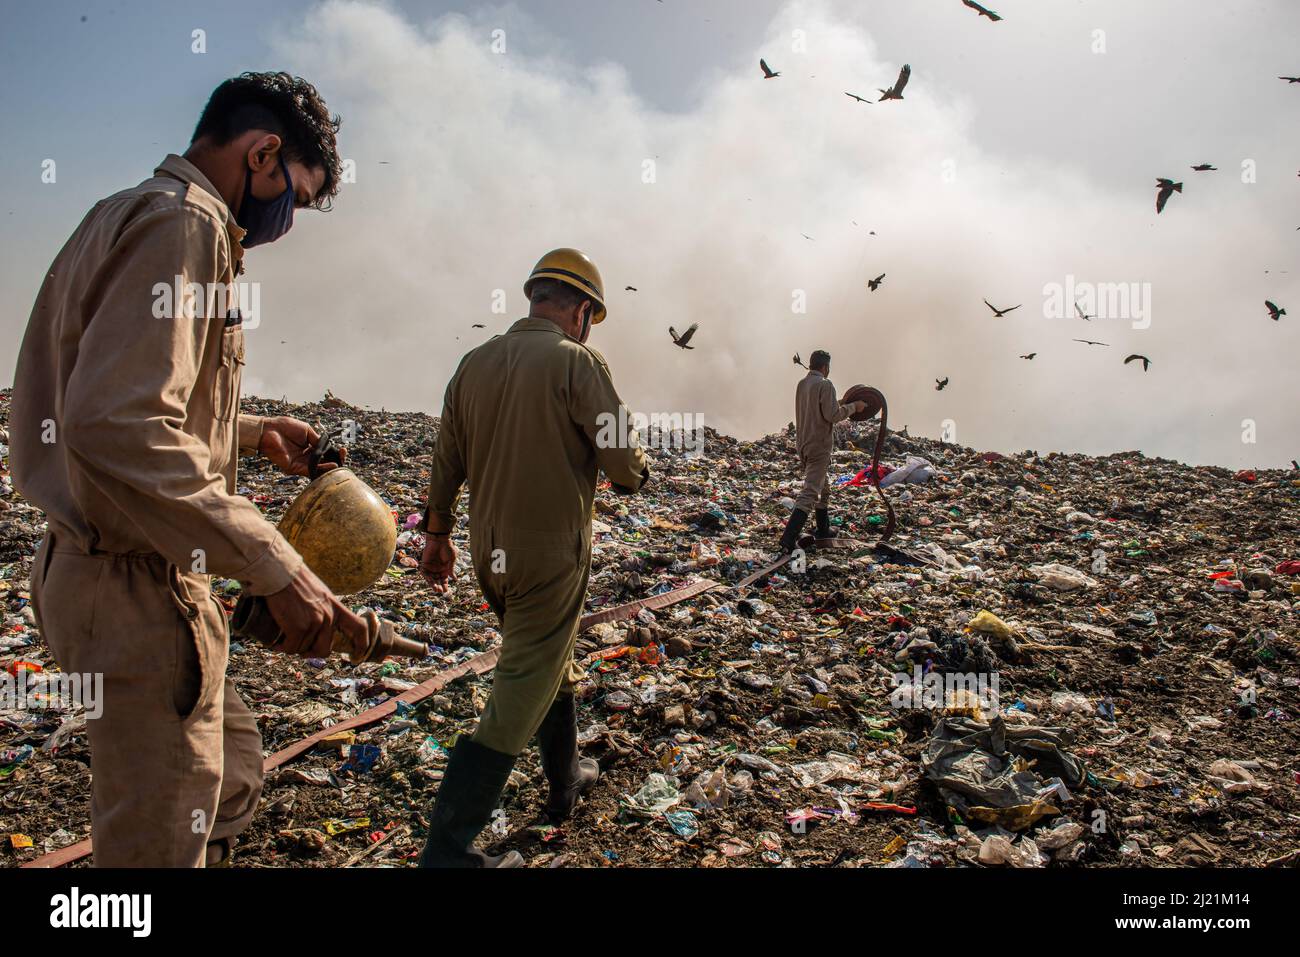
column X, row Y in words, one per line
column 265, row 221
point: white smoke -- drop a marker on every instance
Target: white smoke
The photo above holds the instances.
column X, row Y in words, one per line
column 471, row 163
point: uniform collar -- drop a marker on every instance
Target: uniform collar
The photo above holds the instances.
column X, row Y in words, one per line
column 202, row 193
column 814, row 372
column 545, row 325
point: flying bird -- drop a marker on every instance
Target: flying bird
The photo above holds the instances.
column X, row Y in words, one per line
column 859, row 98
column 629, row 289
column 1290, row 79
column 683, row 340
column 1167, row 188
column 1146, row 363
column 982, row 11
column 478, row 325
column 1029, row 356
column 895, row 92
column 1083, row 315
column 1274, row 312
column 767, row 71
column 999, row 313
column 1204, row 168
column 799, row 362
column 874, row 284
column 1089, row 342
column 940, row 384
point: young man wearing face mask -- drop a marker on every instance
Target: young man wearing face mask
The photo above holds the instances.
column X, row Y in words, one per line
column 527, row 421
column 125, row 429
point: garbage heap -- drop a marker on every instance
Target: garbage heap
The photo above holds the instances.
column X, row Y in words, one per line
column 1059, row 661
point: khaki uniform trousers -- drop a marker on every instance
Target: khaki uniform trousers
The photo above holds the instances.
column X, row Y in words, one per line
column 176, row 756
column 816, row 490
column 536, row 583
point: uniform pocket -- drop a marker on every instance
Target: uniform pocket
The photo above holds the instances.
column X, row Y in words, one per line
column 225, row 386
column 40, row 567
column 201, row 645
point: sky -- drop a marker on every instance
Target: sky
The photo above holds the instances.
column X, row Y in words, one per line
column 1020, row 168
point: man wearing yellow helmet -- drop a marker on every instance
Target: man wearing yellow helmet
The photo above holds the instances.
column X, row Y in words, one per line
column 528, row 419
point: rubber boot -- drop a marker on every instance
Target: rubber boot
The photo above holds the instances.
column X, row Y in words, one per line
column 793, row 528
column 824, row 529
column 470, row 790
column 569, row 776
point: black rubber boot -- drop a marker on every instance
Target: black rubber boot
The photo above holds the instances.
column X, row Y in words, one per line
column 824, row 529
column 793, row 528
column 569, row 776
column 470, row 790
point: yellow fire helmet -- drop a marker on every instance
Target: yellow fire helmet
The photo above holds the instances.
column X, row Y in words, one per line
column 573, row 267
column 343, row 531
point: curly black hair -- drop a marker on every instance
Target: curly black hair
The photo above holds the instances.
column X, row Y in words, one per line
column 285, row 105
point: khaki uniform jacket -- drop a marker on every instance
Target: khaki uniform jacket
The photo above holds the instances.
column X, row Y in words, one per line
column 816, row 410
column 527, row 419
column 124, row 421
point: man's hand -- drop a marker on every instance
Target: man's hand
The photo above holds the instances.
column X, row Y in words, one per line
column 309, row 614
column 859, row 407
column 288, row 443
column 438, row 562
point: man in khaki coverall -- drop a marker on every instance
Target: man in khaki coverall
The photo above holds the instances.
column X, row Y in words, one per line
column 527, row 420
column 125, row 430
column 816, row 411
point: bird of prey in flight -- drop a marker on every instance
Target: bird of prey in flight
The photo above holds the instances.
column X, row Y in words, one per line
column 1167, row 188
column 1083, row 315
column 629, row 289
column 940, row 384
column 999, row 313
column 982, row 11
column 895, row 92
column 1204, row 168
column 1089, row 342
column 1274, row 312
column 1029, row 356
column 684, row 339
column 799, row 362
column 1146, row 363
column 859, row 98
column 478, row 325
column 767, row 71
column 1290, row 79
column 874, row 284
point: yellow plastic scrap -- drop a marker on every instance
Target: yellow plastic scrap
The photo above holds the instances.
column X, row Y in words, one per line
column 336, row 826
column 963, row 703
column 339, row 739
column 1015, row 818
column 988, row 623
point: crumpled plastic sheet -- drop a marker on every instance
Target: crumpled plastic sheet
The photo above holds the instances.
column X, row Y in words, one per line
column 975, row 764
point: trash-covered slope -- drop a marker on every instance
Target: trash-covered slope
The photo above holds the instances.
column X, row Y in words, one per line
column 1136, row 616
